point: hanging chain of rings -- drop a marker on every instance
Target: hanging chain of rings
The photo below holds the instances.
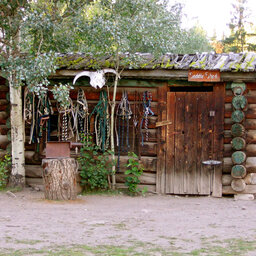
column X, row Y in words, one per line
column 65, row 118
column 147, row 99
column 82, row 114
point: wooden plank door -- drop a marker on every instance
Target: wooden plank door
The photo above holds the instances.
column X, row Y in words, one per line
column 190, row 140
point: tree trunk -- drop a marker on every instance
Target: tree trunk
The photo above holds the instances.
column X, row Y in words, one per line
column 238, row 185
column 59, row 176
column 17, row 178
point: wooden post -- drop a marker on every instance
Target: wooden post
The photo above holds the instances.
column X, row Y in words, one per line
column 59, row 176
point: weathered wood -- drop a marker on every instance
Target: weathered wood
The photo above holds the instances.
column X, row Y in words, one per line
column 205, row 142
column 238, row 171
column 145, row 178
column 250, row 179
column 238, row 88
column 226, row 179
column 59, row 177
column 238, row 185
column 244, row 197
column 238, row 157
column 170, row 164
column 237, row 116
column 149, row 163
column 33, row 171
column 190, row 136
column 219, row 96
column 237, row 130
column 239, row 102
column 177, row 177
column 238, row 143
column 249, row 189
column 4, row 141
column 161, row 148
column 150, row 188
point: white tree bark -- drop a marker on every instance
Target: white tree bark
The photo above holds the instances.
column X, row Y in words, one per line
column 17, row 178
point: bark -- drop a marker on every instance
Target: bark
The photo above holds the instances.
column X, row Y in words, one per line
column 59, row 176
column 112, row 124
column 17, row 178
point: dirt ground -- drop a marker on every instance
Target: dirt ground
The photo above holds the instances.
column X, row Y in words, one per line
column 122, row 225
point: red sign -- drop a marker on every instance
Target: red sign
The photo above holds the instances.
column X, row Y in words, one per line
column 204, row 75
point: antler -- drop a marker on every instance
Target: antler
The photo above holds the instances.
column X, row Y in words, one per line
column 110, row 70
column 84, row 73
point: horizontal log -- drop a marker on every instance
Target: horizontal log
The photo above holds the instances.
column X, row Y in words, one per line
column 3, row 115
column 150, row 188
column 149, row 163
column 250, row 150
column 149, row 149
column 31, row 157
column 33, row 171
column 145, row 178
column 250, row 98
column 226, row 179
column 250, row 179
column 93, row 94
column 3, row 129
column 249, row 189
column 4, row 141
column 250, row 164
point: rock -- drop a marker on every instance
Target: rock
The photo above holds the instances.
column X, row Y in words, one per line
column 9, row 193
column 244, row 197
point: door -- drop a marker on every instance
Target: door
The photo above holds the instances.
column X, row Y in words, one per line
column 190, row 140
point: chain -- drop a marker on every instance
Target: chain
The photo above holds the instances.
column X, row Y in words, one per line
column 147, row 99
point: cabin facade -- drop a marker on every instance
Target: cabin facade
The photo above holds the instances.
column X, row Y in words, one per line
column 201, row 137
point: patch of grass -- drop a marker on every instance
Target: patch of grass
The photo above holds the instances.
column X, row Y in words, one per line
column 29, row 242
column 229, row 247
column 102, row 192
column 120, row 226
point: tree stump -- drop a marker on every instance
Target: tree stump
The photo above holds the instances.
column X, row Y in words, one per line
column 59, row 176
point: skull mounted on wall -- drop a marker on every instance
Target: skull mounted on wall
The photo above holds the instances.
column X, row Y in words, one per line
column 97, row 78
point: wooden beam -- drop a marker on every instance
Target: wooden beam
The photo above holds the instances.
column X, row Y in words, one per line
column 164, row 74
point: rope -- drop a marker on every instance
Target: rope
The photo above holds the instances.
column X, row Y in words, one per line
column 123, row 114
column 102, row 122
column 29, row 112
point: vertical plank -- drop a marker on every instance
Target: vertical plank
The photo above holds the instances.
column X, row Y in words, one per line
column 170, row 165
column 190, row 143
column 219, row 93
column 178, row 185
column 205, row 132
column 161, row 152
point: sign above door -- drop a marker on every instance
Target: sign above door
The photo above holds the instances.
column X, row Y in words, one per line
column 204, row 75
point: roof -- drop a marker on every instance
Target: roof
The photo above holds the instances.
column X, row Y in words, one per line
column 225, row 62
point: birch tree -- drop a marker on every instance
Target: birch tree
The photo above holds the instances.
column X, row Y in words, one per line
column 121, row 26
column 30, row 33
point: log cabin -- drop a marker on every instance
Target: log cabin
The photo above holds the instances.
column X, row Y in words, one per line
column 201, row 139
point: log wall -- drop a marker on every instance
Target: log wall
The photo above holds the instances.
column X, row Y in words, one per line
column 250, row 137
column 148, row 152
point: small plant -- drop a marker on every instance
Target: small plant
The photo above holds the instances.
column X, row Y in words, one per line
column 133, row 172
column 5, row 164
column 95, row 166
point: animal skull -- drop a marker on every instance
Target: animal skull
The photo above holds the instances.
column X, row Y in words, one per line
column 97, row 78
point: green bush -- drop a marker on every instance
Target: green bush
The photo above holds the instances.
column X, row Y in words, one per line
column 133, row 172
column 95, row 166
column 5, row 165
